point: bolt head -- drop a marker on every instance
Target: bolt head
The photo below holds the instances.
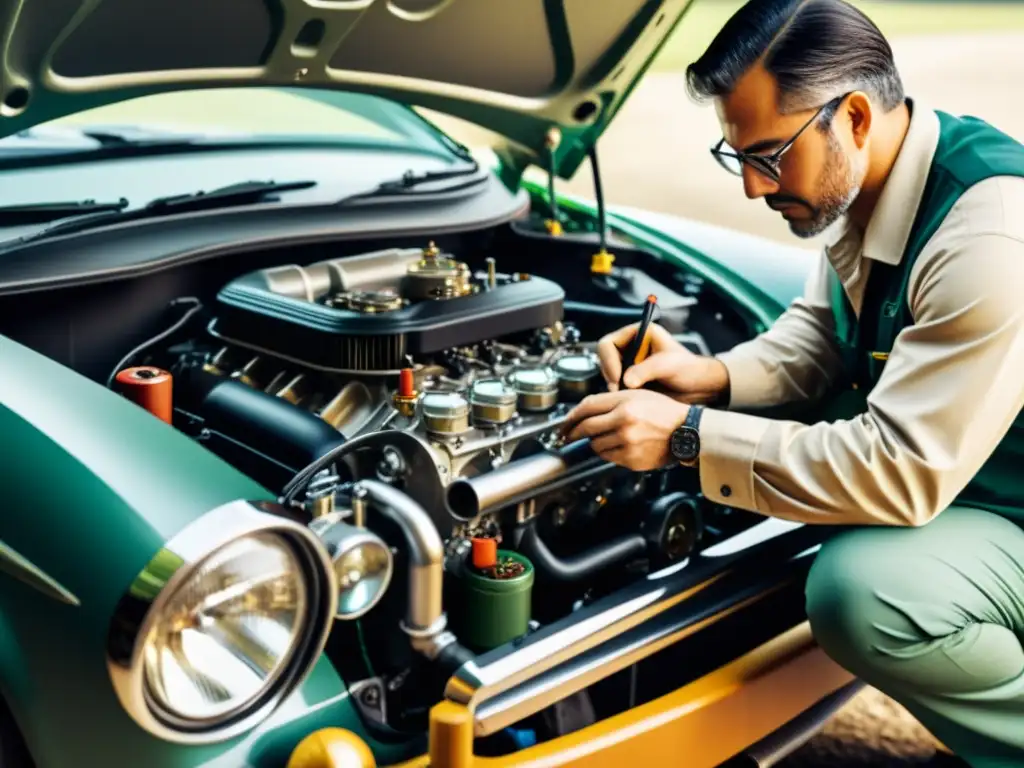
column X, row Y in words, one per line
column 370, row 696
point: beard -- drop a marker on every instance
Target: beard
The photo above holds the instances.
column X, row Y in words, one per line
column 840, row 184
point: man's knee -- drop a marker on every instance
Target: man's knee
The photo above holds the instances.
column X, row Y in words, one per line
column 855, row 588
column 837, row 595
column 879, row 600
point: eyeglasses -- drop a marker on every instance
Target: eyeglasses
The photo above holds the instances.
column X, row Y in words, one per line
column 733, row 160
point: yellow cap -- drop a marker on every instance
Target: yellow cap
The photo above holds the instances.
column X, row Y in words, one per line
column 332, row 748
column 553, row 227
column 601, row 263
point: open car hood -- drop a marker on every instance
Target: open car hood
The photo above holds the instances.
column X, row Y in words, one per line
column 516, row 68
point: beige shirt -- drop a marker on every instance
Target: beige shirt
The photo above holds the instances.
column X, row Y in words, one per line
column 952, row 386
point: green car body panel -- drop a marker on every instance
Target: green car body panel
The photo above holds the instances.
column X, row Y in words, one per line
column 93, row 488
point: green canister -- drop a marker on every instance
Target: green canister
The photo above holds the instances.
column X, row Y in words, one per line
column 495, row 609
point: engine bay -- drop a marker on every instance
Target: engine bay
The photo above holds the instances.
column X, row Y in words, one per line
column 405, row 403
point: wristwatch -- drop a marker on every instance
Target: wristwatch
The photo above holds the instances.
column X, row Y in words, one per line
column 684, row 444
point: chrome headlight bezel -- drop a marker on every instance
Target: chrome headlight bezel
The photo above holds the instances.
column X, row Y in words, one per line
column 339, row 539
column 136, row 614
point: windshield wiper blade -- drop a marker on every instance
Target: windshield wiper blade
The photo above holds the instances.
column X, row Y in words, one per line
column 411, row 183
column 118, row 136
column 39, row 213
column 243, row 193
column 234, row 194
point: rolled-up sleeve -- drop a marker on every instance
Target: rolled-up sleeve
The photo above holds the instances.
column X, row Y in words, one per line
column 950, row 390
column 794, row 360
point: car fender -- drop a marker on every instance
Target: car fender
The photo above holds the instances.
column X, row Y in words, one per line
column 92, row 487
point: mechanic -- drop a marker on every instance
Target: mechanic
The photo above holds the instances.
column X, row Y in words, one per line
column 905, row 355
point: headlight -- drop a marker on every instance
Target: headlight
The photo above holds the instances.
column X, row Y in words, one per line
column 234, row 612
column 227, row 631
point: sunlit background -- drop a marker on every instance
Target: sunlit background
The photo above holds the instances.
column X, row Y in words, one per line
column 959, row 57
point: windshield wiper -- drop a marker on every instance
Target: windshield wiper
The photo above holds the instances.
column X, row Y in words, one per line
column 68, row 144
column 235, row 194
column 411, row 183
column 39, row 213
column 128, row 136
column 243, row 193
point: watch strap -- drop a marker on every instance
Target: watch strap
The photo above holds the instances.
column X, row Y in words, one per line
column 693, row 416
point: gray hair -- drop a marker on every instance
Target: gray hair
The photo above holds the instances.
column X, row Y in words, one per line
column 816, row 50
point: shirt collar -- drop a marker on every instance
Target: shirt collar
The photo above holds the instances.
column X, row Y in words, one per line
column 889, row 228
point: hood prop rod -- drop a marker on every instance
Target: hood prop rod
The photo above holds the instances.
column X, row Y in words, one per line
column 551, row 142
column 601, row 262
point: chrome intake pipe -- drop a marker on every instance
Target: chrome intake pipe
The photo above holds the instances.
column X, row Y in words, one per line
column 425, row 621
column 522, row 478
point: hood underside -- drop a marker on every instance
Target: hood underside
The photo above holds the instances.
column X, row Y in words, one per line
column 515, row 67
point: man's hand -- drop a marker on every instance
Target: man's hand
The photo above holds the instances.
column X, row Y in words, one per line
column 691, row 378
column 629, row 428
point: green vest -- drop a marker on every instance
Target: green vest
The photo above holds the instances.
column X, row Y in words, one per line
column 969, row 151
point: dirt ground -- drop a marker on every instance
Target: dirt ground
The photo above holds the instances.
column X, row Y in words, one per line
column 656, row 156
column 872, row 731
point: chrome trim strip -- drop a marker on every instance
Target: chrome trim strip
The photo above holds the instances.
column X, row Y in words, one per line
column 480, row 680
column 586, row 669
column 763, row 531
column 133, row 618
column 507, row 684
column 23, row 569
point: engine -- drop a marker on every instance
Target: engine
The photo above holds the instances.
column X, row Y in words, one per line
column 407, row 408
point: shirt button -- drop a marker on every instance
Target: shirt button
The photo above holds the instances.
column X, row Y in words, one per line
column 726, row 490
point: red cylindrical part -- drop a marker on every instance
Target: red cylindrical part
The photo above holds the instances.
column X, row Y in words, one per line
column 485, row 553
column 406, row 383
column 150, row 388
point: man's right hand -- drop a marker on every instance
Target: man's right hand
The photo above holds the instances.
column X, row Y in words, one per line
column 689, row 378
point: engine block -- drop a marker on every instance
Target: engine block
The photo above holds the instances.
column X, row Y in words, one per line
column 407, row 409
column 466, row 371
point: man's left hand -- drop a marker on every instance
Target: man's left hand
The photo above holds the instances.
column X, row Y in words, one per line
column 630, row 428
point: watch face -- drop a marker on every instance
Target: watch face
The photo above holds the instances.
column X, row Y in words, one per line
column 685, row 444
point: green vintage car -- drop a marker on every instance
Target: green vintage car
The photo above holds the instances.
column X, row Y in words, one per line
column 279, row 403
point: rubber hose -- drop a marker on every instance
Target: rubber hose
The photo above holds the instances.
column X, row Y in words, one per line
column 584, row 565
column 258, row 420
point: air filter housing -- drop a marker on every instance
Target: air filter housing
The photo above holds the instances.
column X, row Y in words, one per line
column 366, row 313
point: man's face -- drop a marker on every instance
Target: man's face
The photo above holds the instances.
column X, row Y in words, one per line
column 819, row 175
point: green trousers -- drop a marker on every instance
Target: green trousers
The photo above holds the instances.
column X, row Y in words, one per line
column 933, row 617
